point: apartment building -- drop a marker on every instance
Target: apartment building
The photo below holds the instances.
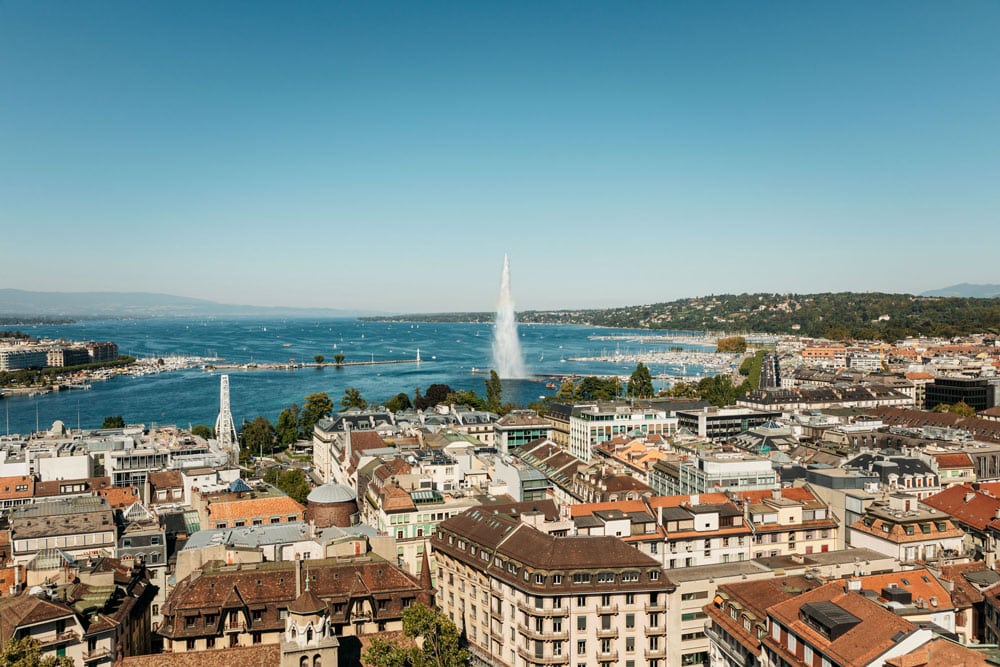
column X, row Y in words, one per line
column 712, row 472
column 592, row 424
column 524, row 597
column 227, row 606
column 79, row 526
column 909, row 533
column 684, row 531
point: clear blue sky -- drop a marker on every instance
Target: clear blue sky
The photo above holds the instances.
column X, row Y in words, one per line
column 386, row 155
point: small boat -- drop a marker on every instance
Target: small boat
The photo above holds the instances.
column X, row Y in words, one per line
column 550, row 385
column 286, row 345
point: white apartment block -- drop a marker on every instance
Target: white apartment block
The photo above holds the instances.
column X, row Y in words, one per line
column 592, row 424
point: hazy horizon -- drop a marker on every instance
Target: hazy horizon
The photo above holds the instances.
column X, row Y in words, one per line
column 385, row 157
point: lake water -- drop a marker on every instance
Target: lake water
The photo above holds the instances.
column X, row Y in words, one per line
column 449, row 353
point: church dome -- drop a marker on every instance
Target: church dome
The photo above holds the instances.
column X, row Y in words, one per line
column 331, row 493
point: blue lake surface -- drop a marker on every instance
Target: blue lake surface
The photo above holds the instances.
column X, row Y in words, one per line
column 449, row 353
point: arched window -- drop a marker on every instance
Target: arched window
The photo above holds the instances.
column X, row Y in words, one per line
column 309, row 634
column 304, row 661
column 316, row 661
column 293, row 632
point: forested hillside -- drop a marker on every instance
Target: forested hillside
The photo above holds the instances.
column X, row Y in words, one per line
column 869, row 315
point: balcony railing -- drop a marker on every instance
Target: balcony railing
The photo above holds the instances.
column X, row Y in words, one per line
column 97, row 654
column 607, row 633
column 611, row 655
column 545, row 659
column 540, row 611
column 718, row 642
column 61, row 638
column 652, row 653
column 610, row 608
column 656, row 606
column 543, row 635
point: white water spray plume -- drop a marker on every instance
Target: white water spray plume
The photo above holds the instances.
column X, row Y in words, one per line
column 507, row 360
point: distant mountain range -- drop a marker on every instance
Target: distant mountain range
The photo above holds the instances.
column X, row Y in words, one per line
column 968, row 290
column 17, row 304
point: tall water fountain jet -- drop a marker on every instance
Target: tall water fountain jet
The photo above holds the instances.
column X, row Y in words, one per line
column 507, row 360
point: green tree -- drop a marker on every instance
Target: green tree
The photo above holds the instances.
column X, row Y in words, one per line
column 962, row 409
column 731, row 344
column 338, row 359
column 494, row 392
column 598, row 389
column 437, row 642
column 292, row 481
column 27, row 652
column 640, row 384
column 316, row 407
column 287, row 428
column 398, row 403
column 258, row 437
column 319, row 358
column 720, row 390
column 466, row 397
column 203, row 431
column 683, row 390
column 115, row 421
column 566, row 392
column 436, row 393
column 353, row 399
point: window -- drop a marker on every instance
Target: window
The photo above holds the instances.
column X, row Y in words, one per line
column 190, row 644
column 539, row 578
column 581, row 578
column 581, row 623
column 210, row 642
column 581, row 647
column 556, row 579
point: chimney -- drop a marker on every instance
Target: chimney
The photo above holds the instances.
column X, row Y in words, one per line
column 298, row 575
column 853, row 584
column 694, row 499
column 776, row 493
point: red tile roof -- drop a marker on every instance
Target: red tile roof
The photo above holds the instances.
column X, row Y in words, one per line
column 873, row 636
column 953, row 460
column 262, row 655
column 973, row 508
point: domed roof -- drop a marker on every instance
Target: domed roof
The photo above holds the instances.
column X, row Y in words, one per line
column 331, row 493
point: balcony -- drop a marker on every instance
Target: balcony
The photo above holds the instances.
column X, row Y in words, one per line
column 61, row 638
column 607, row 633
column 545, row 635
column 611, row 608
column 656, row 606
column 611, row 655
column 236, row 627
column 97, row 654
column 734, row 653
column 658, row 630
column 533, row 658
column 654, row 653
column 540, row 611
